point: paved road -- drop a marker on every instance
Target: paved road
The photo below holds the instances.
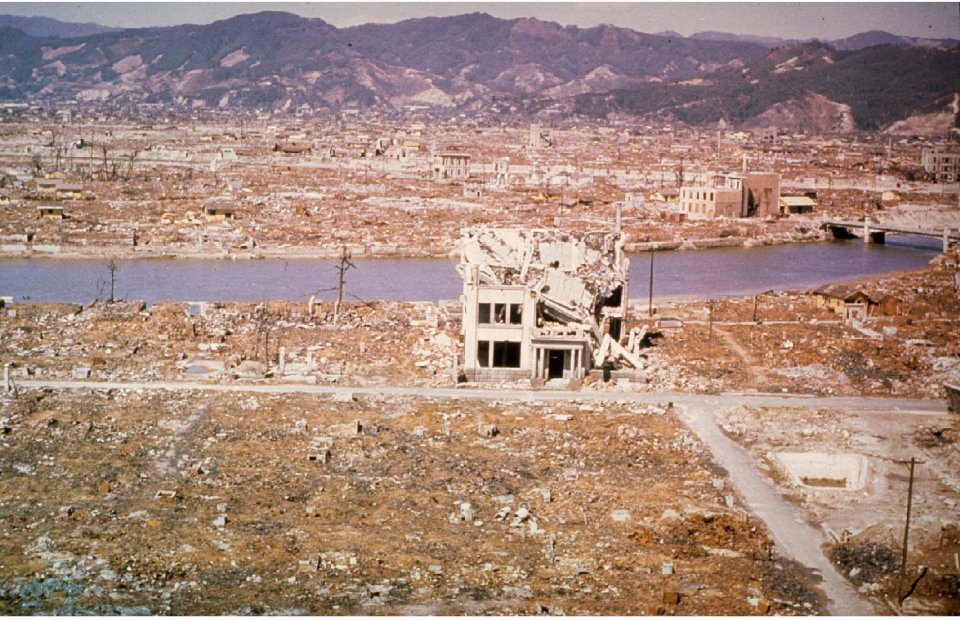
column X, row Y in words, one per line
column 785, row 521
column 729, row 399
column 795, row 538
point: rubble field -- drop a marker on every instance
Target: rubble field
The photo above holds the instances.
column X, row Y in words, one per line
column 784, row 342
column 774, row 342
column 855, row 488
column 187, row 186
column 131, row 502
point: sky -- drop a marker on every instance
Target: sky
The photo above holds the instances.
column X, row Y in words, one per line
column 793, row 20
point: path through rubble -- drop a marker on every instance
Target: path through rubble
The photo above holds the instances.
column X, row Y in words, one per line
column 796, row 538
column 785, row 521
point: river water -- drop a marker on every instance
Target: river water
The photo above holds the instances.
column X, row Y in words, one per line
column 705, row 274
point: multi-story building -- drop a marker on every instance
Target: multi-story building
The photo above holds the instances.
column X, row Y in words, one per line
column 745, row 194
column 542, row 304
column 942, row 163
column 451, row 165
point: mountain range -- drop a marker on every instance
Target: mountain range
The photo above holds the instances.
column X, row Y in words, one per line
column 481, row 64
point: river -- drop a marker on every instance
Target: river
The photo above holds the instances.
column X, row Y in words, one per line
column 712, row 273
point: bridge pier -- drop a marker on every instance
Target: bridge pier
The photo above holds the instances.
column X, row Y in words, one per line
column 876, row 236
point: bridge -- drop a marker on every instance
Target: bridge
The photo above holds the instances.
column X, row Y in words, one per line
column 874, row 232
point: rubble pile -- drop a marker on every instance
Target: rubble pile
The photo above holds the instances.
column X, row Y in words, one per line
column 368, row 343
column 133, row 184
column 786, row 342
column 865, row 520
column 214, row 503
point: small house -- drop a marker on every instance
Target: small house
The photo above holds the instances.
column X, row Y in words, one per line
column 45, row 187
column 69, row 191
column 836, row 297
column 666, row 195
column 219, row 212
column 50, row 210
column 795, row 205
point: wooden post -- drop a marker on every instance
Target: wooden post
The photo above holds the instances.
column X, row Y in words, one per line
column 906, row 534
column 345, row 264
column 710, row 337
column 650, row 300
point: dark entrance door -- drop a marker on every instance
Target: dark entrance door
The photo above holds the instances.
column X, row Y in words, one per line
column 555, row 364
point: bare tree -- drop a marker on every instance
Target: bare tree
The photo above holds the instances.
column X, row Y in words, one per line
column 112, row 268
column 263, row 321
column 345, row 264
column 133, row 157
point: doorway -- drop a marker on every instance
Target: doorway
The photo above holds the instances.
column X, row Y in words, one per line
column 556, row 362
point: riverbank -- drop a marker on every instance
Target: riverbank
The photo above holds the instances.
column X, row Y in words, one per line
column 129, row 252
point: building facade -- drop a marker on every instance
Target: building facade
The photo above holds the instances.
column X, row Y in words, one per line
column 747, row 194
column 942, row 163
column 541, row 304
column 451, row 166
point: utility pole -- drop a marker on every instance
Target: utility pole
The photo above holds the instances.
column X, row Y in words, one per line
column 650, row 300
column 906, row 532
column 345, row 264
column 710, row 337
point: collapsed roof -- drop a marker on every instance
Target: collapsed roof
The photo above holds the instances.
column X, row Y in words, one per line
column 578, row 278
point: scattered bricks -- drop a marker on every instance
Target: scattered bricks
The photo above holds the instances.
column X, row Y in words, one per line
column 763, row 606
column 620, row 516
column 322, row 456
column 670, row 597
column 343, row 396
column 520, row 516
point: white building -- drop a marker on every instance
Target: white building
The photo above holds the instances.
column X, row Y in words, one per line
column 541, row 304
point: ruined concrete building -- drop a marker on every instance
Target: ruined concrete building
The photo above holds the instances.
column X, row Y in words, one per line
column 543, row 304
column 451, row 165
column 747, row 194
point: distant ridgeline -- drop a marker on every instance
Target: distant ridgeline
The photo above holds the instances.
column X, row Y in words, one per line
column 484, row 66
